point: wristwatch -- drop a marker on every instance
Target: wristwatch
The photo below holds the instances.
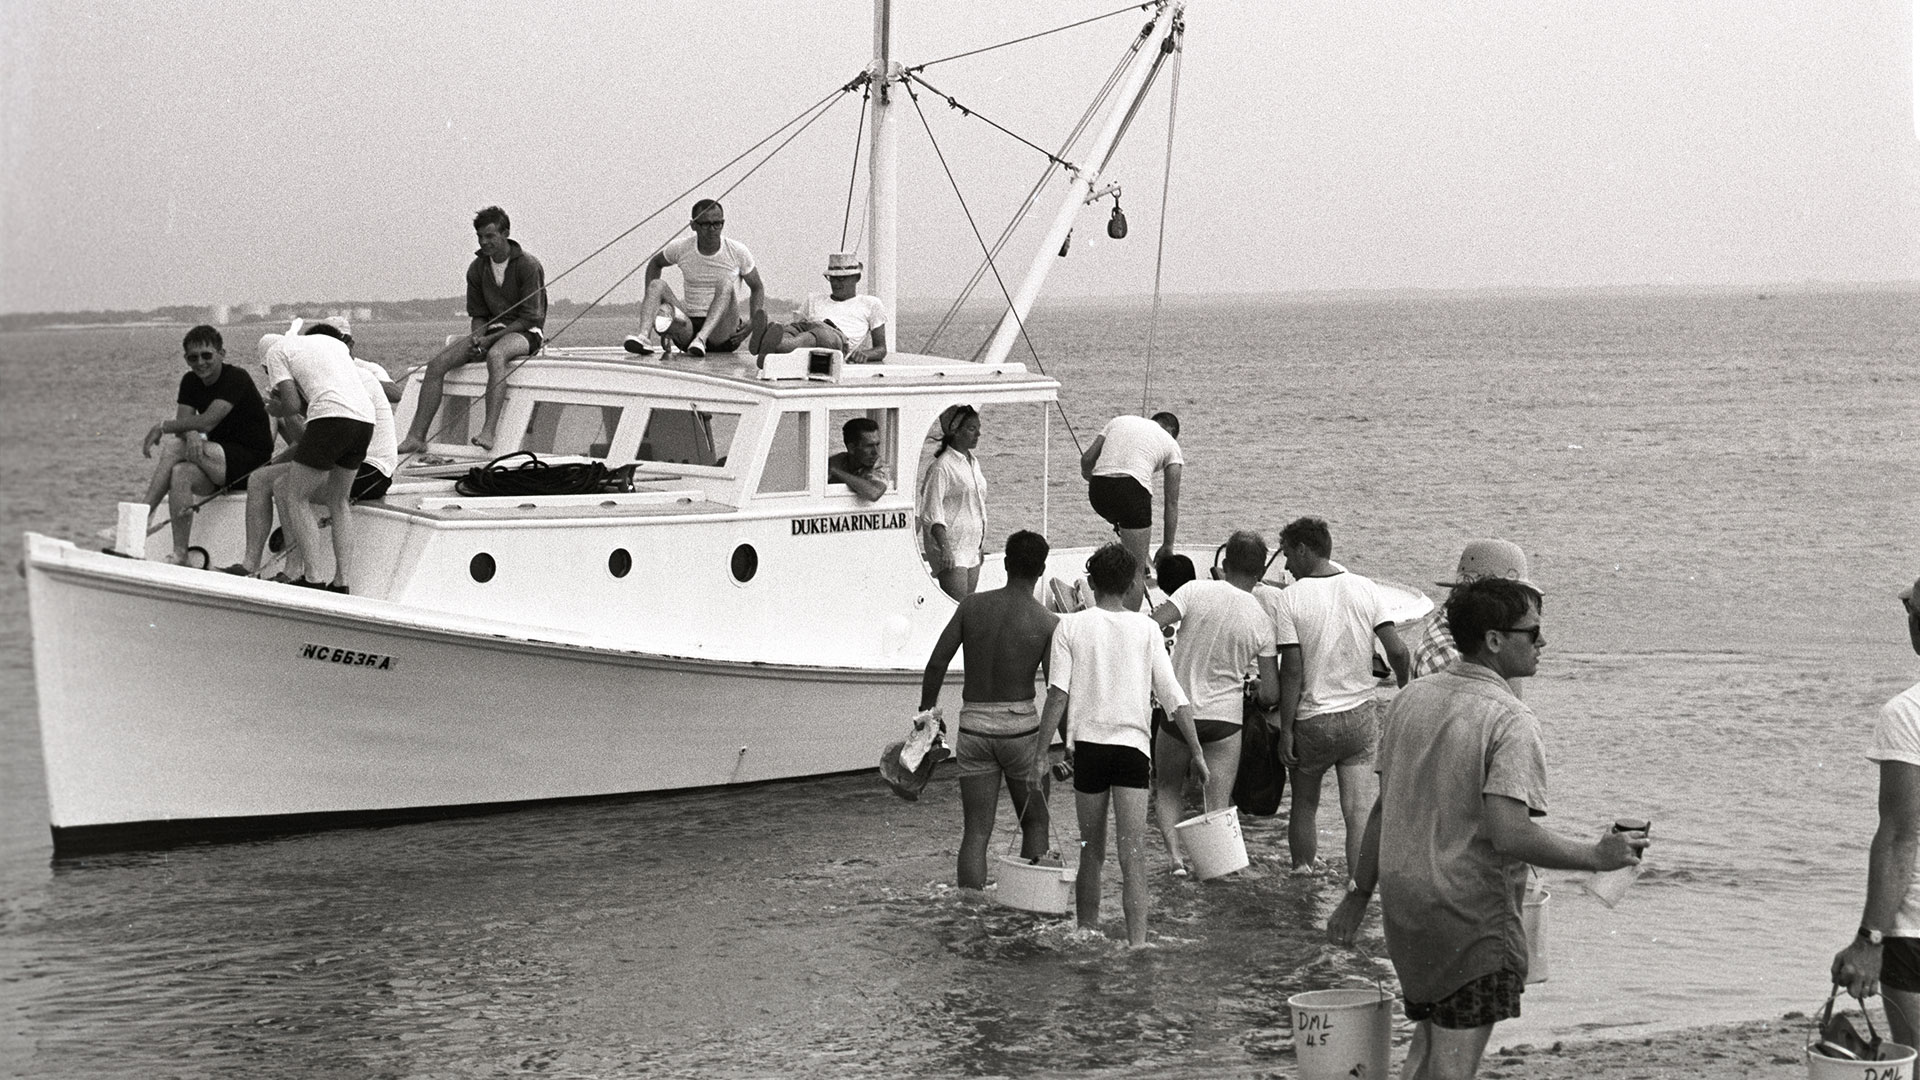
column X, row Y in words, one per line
column 1873, row 937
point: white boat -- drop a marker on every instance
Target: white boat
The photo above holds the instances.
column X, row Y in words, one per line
column 735, row 618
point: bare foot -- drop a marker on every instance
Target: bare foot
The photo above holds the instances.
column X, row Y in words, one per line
column 483, row 440
column 413, row 445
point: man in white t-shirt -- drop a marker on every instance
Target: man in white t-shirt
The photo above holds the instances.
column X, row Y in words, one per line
column 1327, row 623
column 839, row 319
column 1223, row 631
column 705, row 314
column 1106, row 668
column 313, row 375
column 1884, row 957
column 1119, row 466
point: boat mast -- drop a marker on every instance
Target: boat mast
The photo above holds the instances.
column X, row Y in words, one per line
column 1097, row 157
column 883, row 162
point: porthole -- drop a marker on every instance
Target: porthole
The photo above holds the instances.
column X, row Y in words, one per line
column 746, row 563
column 619, row 563
column 481, row 568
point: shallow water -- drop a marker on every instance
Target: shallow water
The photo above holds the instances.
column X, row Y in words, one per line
column 1715, row 490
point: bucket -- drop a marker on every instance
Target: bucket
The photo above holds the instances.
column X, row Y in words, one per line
column 1042, row 889
column 1213, row 843
column 1899, row 1067
column 1339, row 1034
column 1533, row 918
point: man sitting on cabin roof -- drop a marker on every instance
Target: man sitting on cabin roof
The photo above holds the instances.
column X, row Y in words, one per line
column 712, row 268
column 839, row 319
column 858, row 466
column 507, row 303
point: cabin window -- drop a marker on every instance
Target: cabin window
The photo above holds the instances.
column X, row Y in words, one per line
column 786, row 468
column 889, row 422
column 566, row 427
column 454, row 422
column 684, row 435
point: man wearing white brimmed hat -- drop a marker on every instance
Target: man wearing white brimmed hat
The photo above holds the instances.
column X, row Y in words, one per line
column 1884, row 957
column 1479, row 559
column 839, row 319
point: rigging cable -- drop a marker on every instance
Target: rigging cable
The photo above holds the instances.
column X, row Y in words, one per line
column 1021, row 323
column 859, row 128
column 1177, row 41
column 1041, row 34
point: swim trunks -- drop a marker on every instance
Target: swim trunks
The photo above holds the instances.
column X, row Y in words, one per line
column 1099, row 766
column 1485, row 1000
column 1900, row 964
column 1122, row 501
column 334, row 442
column 1342, row 738
column 998, row 737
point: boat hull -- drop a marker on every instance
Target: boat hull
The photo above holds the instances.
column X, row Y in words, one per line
column 174, row 707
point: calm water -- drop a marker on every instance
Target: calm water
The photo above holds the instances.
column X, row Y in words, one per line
column 1718, row 496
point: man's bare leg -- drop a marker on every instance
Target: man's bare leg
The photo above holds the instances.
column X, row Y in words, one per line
column 260, row 486
column 338, row 493
column 1130, row 825
column 1136, row 541
column 658, row 293
column 1303, row 836
column 1445, row 1053
column 504, row 351
column 1171, row 761
column 172, row 452
column 190, row 485
column 1356, row 802
column 294, row 495
column 432, row 384
column 722, row 321
column 1092, row 812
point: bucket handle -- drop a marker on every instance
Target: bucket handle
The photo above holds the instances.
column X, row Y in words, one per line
column 1020, row 808
column 1826, row 1014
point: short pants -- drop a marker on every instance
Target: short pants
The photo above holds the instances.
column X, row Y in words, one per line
column 1342, row 738
column 998, row 737
column 732, row 344
column 1210, row 731
column 334, row 442
column 240, row 460
column 369, row 483
column 534, row 340
column 1099, row 766
column 1900, row 964
column 1486, row 1000
column 1122, row 501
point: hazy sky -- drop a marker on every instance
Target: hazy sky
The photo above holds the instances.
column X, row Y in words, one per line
column 187, row 152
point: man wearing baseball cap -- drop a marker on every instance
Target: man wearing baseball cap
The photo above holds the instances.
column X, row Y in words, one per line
column 1884, row 957
column 839, row 319
column 1479, row 559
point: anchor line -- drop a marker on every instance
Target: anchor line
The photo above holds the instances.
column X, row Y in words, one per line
column 1019, row 322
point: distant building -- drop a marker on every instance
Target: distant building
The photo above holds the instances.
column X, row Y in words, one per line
column 256, row 310
column 220, row 314
column 363, row 314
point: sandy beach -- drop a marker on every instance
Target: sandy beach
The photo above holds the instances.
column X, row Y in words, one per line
column 1763, row 1048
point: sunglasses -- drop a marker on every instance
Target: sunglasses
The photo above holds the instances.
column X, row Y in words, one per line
column 202, row 355
column 708, row 224
column 1532, row 632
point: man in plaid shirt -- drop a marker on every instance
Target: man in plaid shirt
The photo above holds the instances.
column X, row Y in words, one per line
column 1479, row 559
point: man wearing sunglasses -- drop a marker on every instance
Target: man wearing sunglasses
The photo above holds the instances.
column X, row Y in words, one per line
column 706, row 314
column 218, row 434
column 1884, row 957
column 1462, row 776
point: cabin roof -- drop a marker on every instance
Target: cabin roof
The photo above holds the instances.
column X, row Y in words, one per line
column 901, row 371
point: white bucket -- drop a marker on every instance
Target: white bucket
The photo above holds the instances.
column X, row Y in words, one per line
column 1213, row 843
column 1042, row 889
column 1339, row 1034
column 1822, row 1067
column 1533, row 918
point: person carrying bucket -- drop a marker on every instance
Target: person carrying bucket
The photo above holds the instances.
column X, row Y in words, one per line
column 1884, row 956
column 1106, row 668
column 1449, row 840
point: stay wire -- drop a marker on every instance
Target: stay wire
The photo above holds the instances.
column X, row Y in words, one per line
column 1019, row 322
column 1030, row 37
column 1166, row 182
column 1033, row 194
column 954, row 103
column 859, row 128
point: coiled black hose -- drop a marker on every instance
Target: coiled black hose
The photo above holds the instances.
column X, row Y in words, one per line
column 536, row 477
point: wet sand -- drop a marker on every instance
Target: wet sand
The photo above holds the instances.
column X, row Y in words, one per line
column 1725, row 1052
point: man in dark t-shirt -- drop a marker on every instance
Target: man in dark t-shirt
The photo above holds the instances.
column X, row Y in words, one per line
column 219, row 433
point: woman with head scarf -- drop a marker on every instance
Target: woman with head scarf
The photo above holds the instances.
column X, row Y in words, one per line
column 953, row 503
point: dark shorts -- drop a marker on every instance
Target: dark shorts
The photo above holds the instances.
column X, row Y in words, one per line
column 1486, row 1000
column 732, row 344
column 1099, row 766
column 1122, row 501
column 1210, row 731
column 370, row 483
column 334, row 442
column 1900, row 964
column 535, row 338
column 1342, row 738
column 241, row 460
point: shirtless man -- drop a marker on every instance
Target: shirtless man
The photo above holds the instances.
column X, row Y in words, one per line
column 1007, row 634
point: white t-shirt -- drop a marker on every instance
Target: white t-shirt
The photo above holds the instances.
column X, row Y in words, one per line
column 853, row 316
column 704, row 274
column 323, row 369
column 1138, row 447
column 1332, row 620
column 1112, row 666
column 1897, row 738
column 383, row 452
column 1222, row 630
